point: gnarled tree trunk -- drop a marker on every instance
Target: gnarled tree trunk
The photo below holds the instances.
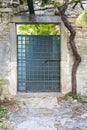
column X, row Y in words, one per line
column 77, row 58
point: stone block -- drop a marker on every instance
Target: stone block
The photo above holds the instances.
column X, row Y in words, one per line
column 5, row 90
column 6, row 10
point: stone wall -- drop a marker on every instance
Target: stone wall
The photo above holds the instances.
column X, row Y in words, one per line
column 8, row 55
column 4, row 52
column 81, row 42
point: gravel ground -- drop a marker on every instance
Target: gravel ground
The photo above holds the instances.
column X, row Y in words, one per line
column 47, row 113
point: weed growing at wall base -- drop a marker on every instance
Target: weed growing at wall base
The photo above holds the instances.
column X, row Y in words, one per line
column 1, row 124
column 76, row 96
column 3, row 111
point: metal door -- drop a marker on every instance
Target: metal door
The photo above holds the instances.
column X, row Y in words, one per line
column 38, row 63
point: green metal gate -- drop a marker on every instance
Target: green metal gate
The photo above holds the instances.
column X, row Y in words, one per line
column 38, row 63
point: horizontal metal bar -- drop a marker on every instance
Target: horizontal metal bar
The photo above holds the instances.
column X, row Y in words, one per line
column 20, row 81
column 46, row 61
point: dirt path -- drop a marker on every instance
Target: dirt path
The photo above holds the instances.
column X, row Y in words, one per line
column 48, row 113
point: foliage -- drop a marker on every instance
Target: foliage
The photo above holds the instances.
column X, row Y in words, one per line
column 57, row 4
column 2, row 111
column 38, row 29
column 1, row 124
column 76, row 96
column 45, row 2
column 83, row 17
column 73, row 1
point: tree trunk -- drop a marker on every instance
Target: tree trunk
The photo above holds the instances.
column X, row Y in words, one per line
column 77, row 58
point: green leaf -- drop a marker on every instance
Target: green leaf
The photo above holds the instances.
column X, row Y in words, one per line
column 38, row 29
column 57, row 4
column 83, row 17
column 2, row 111
column 72, row 1
column 1, row 125
column 76, row 96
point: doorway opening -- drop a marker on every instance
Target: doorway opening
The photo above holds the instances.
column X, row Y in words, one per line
column 38, row 57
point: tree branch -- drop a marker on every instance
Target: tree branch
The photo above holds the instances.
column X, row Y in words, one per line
column 79, row 1
column 62, row 9
column 77, row 58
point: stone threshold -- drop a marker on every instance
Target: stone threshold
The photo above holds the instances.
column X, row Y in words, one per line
column 39, row 94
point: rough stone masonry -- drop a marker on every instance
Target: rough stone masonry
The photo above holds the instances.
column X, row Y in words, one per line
column 8, row 51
